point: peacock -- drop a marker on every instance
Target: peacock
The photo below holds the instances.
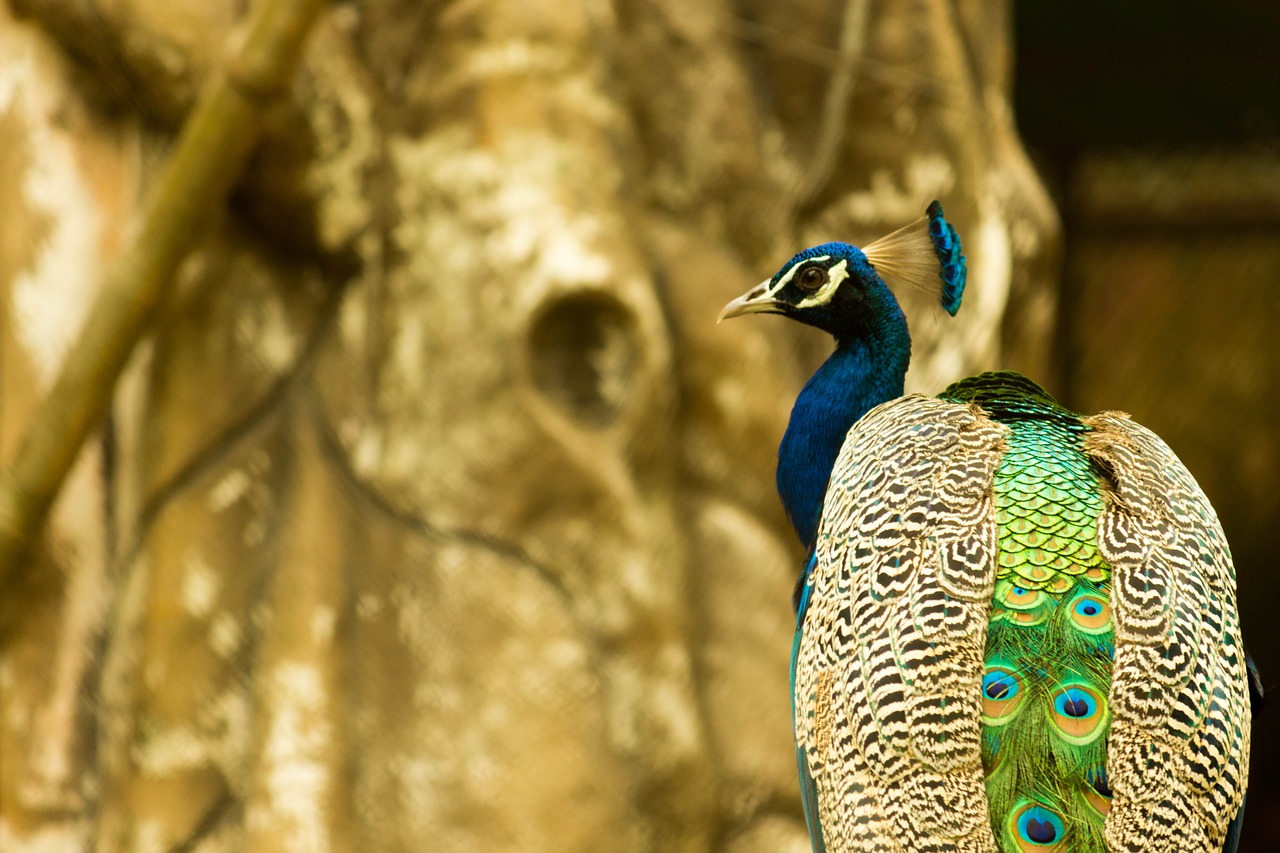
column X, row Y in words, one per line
column 1016, row 625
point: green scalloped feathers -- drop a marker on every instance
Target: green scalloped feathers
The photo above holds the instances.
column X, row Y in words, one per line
column 1050, row 645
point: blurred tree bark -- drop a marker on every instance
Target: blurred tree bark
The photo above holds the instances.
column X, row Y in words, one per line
column 206, row 161
column 437, row 510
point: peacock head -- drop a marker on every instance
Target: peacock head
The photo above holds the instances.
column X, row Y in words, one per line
column 844, row 290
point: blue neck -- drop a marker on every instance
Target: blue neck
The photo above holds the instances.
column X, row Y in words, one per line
column 861, row 374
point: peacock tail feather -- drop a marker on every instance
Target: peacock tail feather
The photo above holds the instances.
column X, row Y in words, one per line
column 1050, row 644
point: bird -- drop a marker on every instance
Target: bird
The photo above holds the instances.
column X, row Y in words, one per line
column 1016, row 625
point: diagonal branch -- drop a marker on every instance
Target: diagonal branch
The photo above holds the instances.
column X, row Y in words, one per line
column 835, row 106
column 207, row 158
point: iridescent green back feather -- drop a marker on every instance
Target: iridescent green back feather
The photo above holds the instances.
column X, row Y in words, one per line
column 1048, row 660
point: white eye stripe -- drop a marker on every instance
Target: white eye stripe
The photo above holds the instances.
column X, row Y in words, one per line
column 782, row 282
column 835, row 276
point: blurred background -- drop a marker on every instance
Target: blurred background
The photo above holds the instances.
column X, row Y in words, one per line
column 435, row 511
column 1157, row 130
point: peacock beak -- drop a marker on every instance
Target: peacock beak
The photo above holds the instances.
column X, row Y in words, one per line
column 755, row 301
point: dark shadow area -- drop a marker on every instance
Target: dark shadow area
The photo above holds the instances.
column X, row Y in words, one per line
column 1157, row 128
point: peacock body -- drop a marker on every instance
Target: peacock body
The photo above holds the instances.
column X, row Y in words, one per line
column 1017, row 626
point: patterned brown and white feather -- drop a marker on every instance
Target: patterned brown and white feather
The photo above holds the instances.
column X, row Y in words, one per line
column 891, row 656
column 1178, row 755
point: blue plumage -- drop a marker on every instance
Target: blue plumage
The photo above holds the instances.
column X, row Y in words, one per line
column 946, row 244
column 873, row 347
column 808, row 788
column 858, row 375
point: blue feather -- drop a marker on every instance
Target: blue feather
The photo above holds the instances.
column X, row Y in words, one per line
column 808, row 788
column 946, row 244
column 1233, row 830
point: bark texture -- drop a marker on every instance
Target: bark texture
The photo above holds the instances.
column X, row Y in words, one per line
column 437, row 509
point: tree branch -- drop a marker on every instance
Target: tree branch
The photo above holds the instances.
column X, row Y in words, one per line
column 208, row 156
column 835, row 106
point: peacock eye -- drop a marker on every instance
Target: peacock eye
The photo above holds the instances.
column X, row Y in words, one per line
column 811, row 278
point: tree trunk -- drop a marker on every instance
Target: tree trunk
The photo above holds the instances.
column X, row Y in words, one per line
column 437, row 512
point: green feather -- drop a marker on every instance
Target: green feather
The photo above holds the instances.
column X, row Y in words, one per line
column 1044, row 749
